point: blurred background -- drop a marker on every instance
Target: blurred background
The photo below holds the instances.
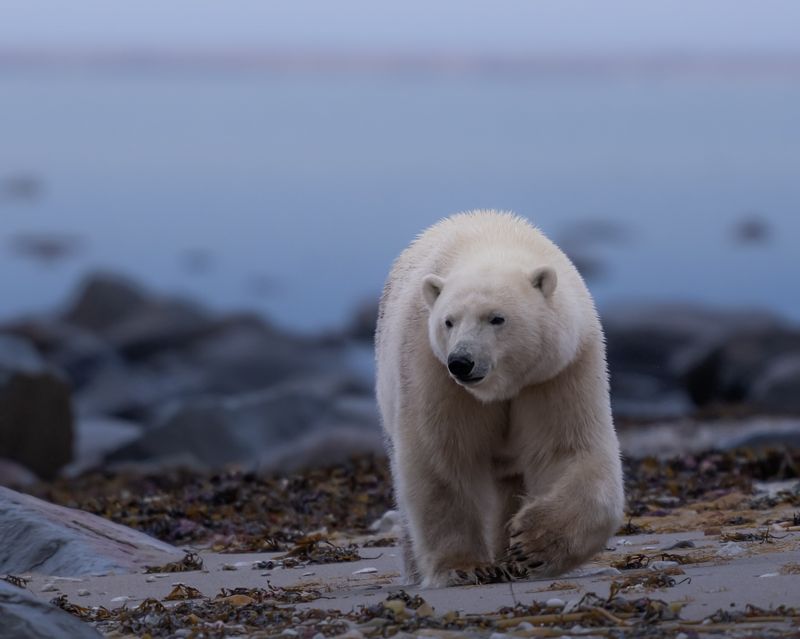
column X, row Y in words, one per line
column 201, row 200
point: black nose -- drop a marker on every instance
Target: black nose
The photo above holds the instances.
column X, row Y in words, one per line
column 460, row 365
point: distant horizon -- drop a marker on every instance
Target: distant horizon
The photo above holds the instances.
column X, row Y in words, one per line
column 326, row 59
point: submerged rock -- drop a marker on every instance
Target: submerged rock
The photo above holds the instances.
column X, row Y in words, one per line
column 53, row 540
column 23, row 616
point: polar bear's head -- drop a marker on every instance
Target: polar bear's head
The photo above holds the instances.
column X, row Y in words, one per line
column 499, row 329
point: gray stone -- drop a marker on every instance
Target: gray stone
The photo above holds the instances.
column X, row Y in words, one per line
column 95, row 438
column 15, row 475
column 778, row 389
column 53, row 540
column 267, row 427
column 654, row 352
column 136, row 323
column 35, row 410
column 23, row 616
column 729, row 372
column 104, row 300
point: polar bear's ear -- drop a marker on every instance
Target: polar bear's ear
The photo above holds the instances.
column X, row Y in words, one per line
column 432, row 287
column 545, row 279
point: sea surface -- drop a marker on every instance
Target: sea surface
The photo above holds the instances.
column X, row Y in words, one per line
column 291, row 192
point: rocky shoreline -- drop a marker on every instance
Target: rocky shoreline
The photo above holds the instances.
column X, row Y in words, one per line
column 175, row 430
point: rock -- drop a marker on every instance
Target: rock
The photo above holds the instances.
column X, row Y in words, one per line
column 105, row 300
column 362, row 323
column 35, row 410
column 18, row 354
column 671, row 438
column 135, row 322
column 778, row 389
column 652, row 351
column 80, row 354
column 244, row 353
column 729, row 372
column 232, row 356
column 15, row 475
column 52, row 540
column 96, row 437
column 23, row 616
column 265, row 427
column 135, row 392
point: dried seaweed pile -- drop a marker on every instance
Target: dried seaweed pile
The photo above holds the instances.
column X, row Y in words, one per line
column 654, row 487
column 237, row 511
column 234, row 511
column 258, row 613
column 265, row 613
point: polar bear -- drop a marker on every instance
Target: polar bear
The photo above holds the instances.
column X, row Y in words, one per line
column 494, row 397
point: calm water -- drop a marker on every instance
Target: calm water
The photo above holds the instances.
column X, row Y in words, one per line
column 303, row 187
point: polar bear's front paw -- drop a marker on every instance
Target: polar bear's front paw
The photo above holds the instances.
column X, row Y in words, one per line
column 478, row 575
column 540, row 544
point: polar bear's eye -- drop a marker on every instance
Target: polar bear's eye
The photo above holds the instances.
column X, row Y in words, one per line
column 448, row 323
column 497, row 320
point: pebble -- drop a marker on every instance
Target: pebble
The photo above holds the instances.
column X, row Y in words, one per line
column 229, row 567
column 770, row 574
column 365, row 571
column 661, row 565
column 525, row 625
column 681, row 635
column 83, row 592
column 603, row 572
column 121, row 598
column 49, row 587
column 150, row 579
column 308, row 574
column 730, row 549
column 555, row 602
column 686, row 543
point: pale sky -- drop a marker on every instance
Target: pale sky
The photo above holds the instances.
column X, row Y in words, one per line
column 510, row 26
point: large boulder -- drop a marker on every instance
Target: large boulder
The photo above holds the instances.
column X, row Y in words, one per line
column 744, row 367
column 778, row 388
column 76, row 351
column 23, row 616
column 270, row 428
column 53, row 540
column 35, row 410
column 653, row 349
column 136, row 323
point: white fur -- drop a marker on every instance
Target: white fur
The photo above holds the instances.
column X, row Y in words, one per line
column 527, row 457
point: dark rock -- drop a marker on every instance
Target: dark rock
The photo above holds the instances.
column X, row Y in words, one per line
column 134, row 392
column 235, row 355
column 80, row 354
column 136, row 323
column 23, row 616
column 778, row 388
column 243, row 353
column 257, row 427
column 52, row 540
column 729, row 371
column 364, row 320
column 97, row 437
column 104, row 301
column 35, row 410
column 653, row 349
